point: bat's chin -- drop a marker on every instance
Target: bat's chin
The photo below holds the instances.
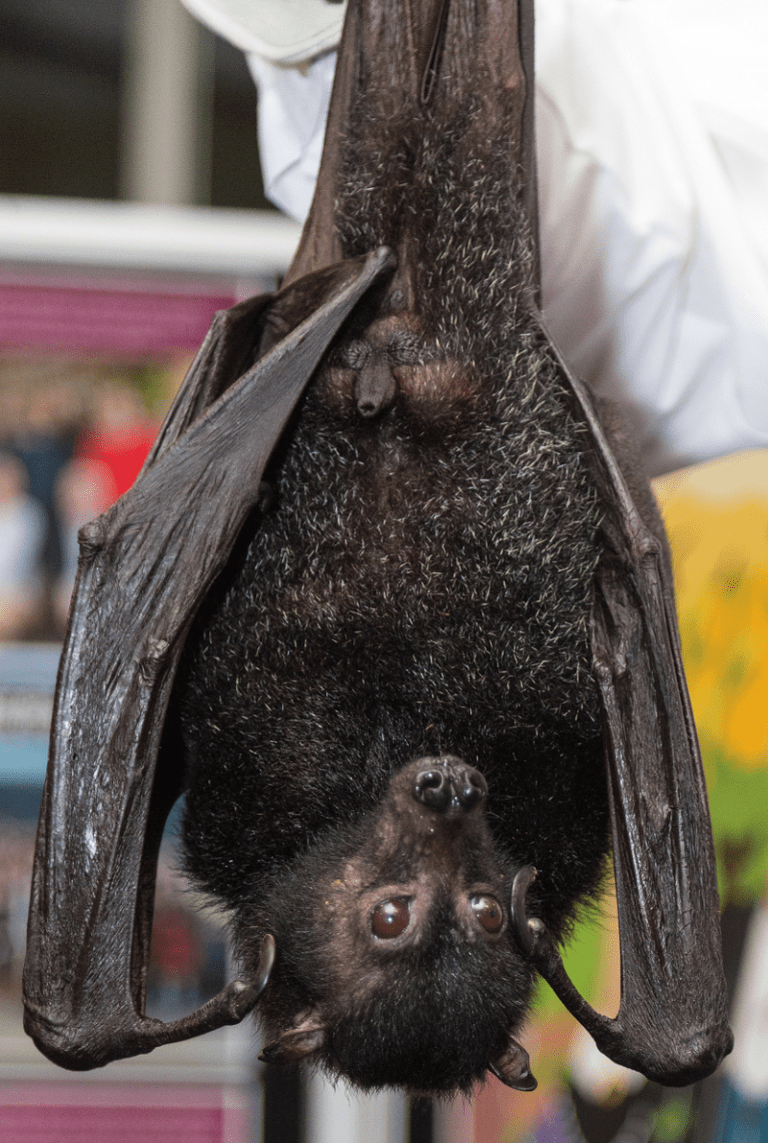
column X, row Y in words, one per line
column 436, row 1023
column 438, row 1044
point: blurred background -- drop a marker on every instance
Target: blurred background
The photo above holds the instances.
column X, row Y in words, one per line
column 131, row 208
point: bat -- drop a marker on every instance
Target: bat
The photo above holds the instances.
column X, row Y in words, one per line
column 391, row 605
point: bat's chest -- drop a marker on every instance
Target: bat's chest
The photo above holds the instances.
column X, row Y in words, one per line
column 399, row 599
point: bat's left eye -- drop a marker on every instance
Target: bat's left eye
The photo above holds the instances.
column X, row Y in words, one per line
column 390, row 918
column 488, row 912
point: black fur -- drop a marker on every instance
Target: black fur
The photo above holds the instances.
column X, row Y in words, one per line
column 421, row 586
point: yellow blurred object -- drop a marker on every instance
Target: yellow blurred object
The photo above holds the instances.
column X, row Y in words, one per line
column 717, row 520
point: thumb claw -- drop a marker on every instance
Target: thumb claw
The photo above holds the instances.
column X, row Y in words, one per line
column 244, row 995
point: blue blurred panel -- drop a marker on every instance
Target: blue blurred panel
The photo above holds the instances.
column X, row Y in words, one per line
column 27, row 681
column 20, row 803
column 23, row 758
column 29, row 667
column 740, row 1119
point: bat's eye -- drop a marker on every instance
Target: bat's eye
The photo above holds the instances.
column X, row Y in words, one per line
column 488, row 912
column 390, row 918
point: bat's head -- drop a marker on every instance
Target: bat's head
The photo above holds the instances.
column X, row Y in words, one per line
column 395, row 961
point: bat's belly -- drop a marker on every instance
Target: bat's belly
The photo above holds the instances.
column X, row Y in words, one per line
column 397, row 602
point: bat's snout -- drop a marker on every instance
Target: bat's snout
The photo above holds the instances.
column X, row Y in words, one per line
column 449, row 785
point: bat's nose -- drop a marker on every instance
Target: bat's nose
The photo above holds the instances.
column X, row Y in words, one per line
column 449, row 785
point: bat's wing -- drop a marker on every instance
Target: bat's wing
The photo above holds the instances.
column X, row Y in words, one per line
column 672, row 1024
column 145, row 566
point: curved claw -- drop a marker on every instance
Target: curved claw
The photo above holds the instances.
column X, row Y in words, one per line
column 527, row 931
column 250, row 993
column 245, row 996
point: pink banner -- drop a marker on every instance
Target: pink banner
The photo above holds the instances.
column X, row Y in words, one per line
column 106, row 319
column 123, row 1113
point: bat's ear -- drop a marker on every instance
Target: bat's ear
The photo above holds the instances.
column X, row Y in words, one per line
column 512, row 1067
column 306, row 1038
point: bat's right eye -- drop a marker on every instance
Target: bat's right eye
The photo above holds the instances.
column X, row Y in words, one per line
column 390, row 918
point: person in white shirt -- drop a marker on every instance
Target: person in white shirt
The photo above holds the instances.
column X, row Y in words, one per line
column 652, row 141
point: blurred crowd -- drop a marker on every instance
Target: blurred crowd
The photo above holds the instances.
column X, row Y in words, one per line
column 16, row 847
column 71, row 442
column 188, row 961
